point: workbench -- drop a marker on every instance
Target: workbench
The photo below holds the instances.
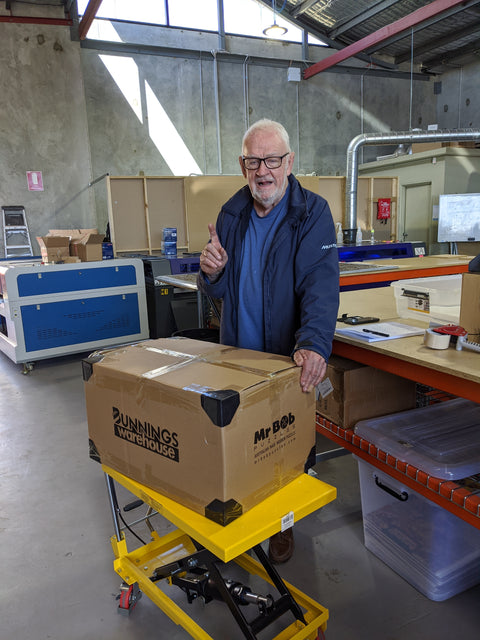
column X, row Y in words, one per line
column 191, row 558
column 448, row 372
column 383, row 272
column 353, row 275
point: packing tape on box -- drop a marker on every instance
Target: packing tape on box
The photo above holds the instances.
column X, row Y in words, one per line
column 435, row 340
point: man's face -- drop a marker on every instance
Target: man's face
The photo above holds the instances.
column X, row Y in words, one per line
column 268, row 186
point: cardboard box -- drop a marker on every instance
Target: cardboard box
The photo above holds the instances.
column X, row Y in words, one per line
column 470, row 305
column 213, row 427
column 351, row 392
column 418, row 147
column 54, row 248
column 88, row 247
column 465, row 144
column 85, row 244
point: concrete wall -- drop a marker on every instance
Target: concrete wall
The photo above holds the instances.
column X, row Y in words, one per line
column 64, row 114
column 43, row 127
column 458, row 98
column 211, row 101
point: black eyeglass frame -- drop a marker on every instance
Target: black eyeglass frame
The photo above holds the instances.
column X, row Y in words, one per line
column 264, row 160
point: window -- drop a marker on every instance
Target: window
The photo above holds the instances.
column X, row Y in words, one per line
column 242, row 17
column 250, row 18
column 150, row 11
column 193, row 14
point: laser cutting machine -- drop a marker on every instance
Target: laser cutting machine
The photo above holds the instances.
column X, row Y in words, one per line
column 49, row 310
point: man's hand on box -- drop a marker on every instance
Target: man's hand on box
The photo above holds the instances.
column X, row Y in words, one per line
column 313, row 366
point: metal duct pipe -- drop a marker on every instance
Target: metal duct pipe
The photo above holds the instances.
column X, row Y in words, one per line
column 398, row 137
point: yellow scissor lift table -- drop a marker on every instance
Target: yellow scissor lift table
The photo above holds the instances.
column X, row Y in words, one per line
column 189, row 557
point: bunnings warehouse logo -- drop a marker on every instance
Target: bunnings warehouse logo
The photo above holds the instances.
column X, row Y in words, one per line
column 145, row 434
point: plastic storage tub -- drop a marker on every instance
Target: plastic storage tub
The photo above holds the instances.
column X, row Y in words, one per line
column 442, row 439
column 436, row 299
column 431, row 548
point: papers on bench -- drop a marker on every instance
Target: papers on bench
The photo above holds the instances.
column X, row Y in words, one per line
column 375, row 331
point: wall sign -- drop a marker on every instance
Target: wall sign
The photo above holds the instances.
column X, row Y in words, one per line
column 35, row 180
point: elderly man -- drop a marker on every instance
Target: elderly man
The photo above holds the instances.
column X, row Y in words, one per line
column 273, row 261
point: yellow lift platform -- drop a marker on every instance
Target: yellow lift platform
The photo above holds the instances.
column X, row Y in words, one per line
column 190, row 558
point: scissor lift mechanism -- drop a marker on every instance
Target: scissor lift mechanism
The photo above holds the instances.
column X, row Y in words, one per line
column 190, row 558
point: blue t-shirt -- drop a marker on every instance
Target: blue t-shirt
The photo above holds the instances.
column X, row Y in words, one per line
column 256, row 245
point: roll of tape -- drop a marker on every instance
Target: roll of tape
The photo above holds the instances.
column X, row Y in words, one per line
column 435, row 340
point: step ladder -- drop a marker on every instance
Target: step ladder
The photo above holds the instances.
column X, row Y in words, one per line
column 16, row 237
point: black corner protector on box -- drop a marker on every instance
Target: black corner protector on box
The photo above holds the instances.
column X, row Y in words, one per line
column 92, row 451
column 87, row 365
column 223, row 512
column 311, row 459
column 220, row 406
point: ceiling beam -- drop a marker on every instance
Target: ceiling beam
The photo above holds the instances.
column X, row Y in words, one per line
column 450, row 56
column 302, row 7
column 407, row 22
column 88, row 17
column 61, row 22
column 346, row 24
column 307, row 25
column 427, row 23
column 436, row 43
column 126, row 49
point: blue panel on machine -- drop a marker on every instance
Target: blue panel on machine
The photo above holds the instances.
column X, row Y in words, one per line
column 68, row 322
column 81, row 279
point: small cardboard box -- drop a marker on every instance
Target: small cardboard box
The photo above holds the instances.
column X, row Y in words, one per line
column 351, row 392
column 470, row 305
column 213, row 427
column 89, row 247
column 54, row 248
column 85, row 244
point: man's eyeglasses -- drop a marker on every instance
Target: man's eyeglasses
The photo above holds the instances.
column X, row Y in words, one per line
column 271, row 162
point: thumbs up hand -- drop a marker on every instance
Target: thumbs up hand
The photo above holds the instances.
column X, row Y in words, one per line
column 214, row 257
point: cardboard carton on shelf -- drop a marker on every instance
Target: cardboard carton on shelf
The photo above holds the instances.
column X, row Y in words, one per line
column 85, row 244
column 465, row 144
column 470, row 305
column 54, row 248
column 216, row 428
column 352, row 391
column 418, row 147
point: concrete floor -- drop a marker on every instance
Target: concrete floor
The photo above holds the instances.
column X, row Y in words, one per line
column 58, row 581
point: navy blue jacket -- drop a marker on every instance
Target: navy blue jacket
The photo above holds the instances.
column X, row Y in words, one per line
column 301, row 279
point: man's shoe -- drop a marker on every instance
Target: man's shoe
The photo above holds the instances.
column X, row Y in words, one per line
column 281, row 545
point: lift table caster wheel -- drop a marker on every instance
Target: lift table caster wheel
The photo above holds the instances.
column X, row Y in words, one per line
column 128, row 598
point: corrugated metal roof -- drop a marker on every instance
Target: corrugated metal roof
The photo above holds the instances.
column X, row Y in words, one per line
column 450, row 37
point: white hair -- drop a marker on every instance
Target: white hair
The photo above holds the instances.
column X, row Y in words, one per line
column 266, row 124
